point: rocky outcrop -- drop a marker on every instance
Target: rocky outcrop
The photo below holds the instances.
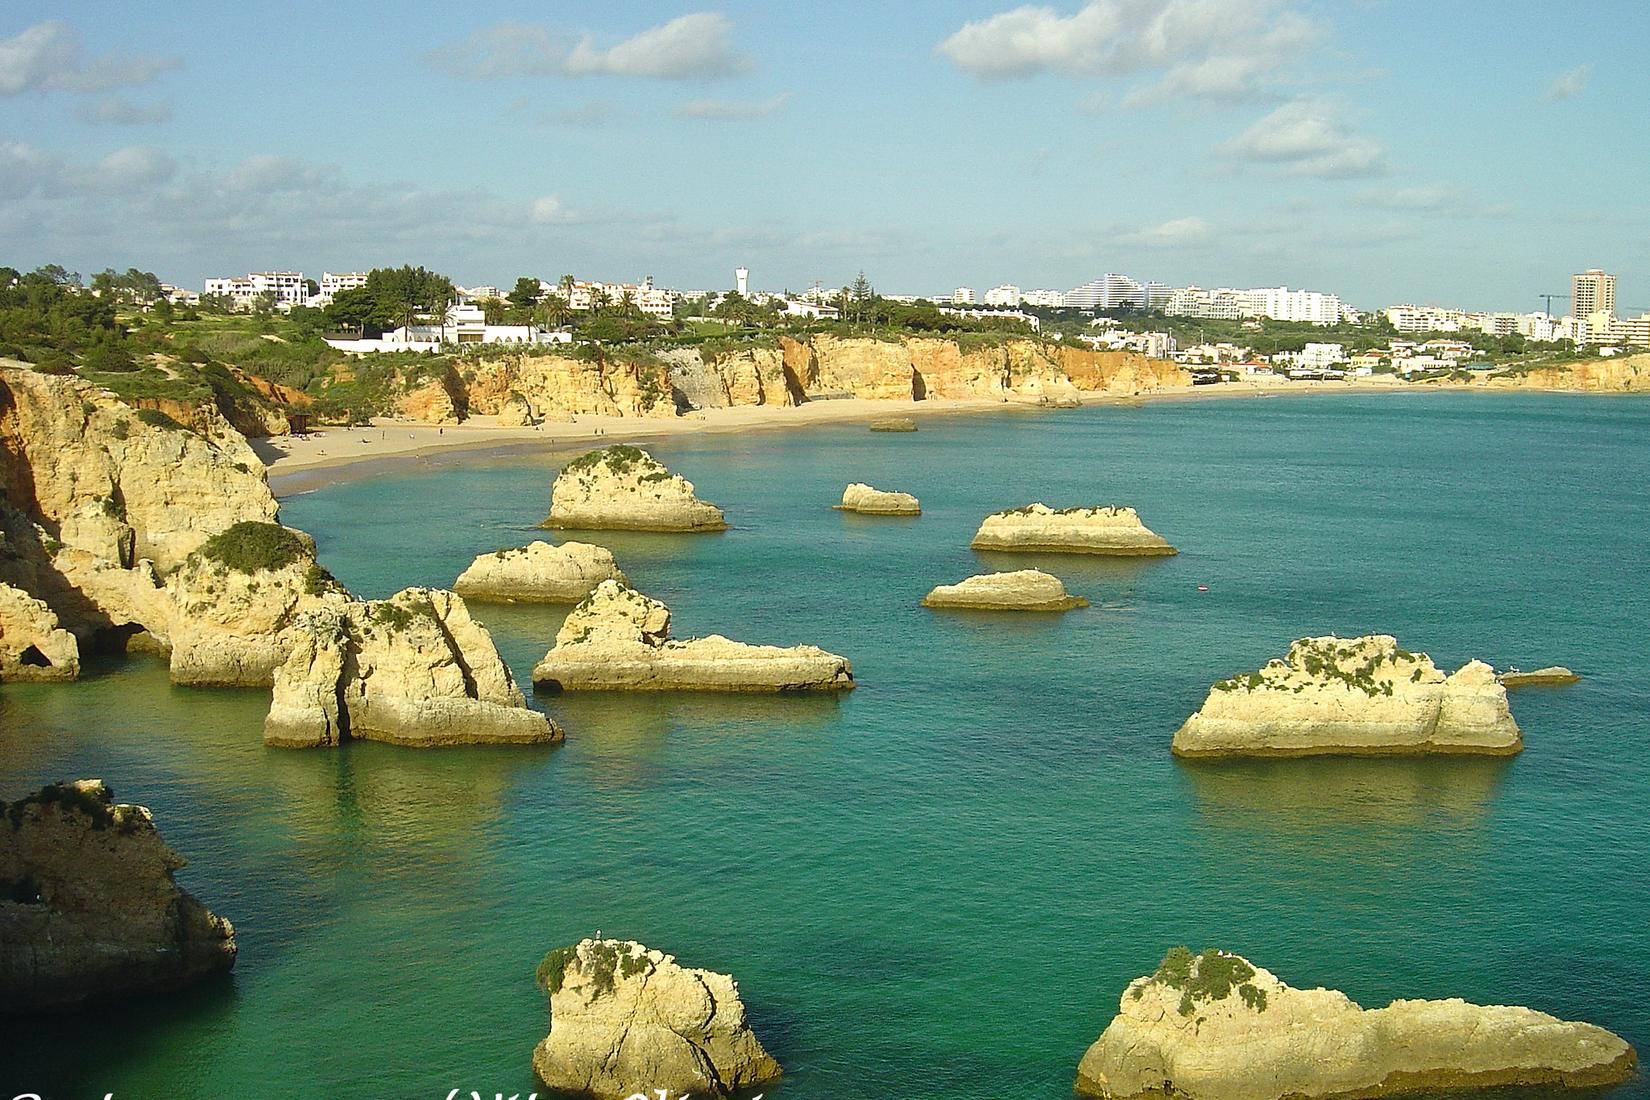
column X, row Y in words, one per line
column 539, row 573
column 1022, row 590
column 1356, row 696
column 559, row 387
column 32, row 644
column 865, row 500
column 516, row 412
column 1215, row 1027
column 860, row 366
column 619, row 640
column 1037, row 527
column 893, row 424
column 624, row 488
column 1551, row 676
column 1617, row 374
column 625, row 1019
column 414, row 669
column 88, row 906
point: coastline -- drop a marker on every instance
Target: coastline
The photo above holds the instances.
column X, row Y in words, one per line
column 335, row 454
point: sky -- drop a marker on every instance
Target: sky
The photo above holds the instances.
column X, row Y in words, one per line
column 1444, row 153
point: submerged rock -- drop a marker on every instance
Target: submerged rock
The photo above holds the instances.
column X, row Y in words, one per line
column 625, row 488
column 1552, row 675
column 625, row 1019
column 1215, row 1027
column 32, row 644
column 88, row 907
column 865, row 500
column 619, row 640
column 414, row 669
column 538, row 573
column 1037, row 527
column 894, row 424
column 1355, row 696
column 1022, row 590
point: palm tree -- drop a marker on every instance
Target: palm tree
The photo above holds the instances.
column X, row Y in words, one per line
column 555, row 310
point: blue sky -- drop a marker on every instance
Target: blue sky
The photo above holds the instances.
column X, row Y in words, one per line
column 1450, row 152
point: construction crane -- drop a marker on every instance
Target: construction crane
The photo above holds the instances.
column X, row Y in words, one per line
column 1548, row 298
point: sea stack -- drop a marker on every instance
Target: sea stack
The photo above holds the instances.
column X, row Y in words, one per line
column 414, row 669
column 538, row 573
column 1353, row 696
column 867, row 501
column 625, row 1019
column 624, row 488
column 1551, row 676
column 1214, row 1027
column 1037, row 527
column 90, row 911
column 1021, row 590
column 619, row 640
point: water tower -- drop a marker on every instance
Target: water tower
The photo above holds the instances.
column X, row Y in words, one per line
column 742, row 281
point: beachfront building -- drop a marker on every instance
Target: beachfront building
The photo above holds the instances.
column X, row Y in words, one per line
column 1321, row 356
column 1006, row 295
column 1051, row 299
column 286, row 288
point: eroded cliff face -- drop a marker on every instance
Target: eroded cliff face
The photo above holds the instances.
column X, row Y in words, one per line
column 1620, row 374
column 1215, row 1027
column 88, row 906
column 561, row 386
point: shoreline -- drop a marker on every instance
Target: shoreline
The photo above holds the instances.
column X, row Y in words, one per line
column 332, row 455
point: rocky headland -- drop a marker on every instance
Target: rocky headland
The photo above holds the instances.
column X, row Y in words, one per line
column 626, row 1019
column 1037, row 527
column 538, row 573
column 414, row 669
column 867, row 501
column 619, row 640
column 624, row 488
column 89, row 910
column 1214, row 1027
column 1353, row 696
column 1021, row 590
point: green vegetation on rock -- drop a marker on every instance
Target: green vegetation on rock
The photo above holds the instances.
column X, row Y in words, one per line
column 250, row 546
column 1207, row 977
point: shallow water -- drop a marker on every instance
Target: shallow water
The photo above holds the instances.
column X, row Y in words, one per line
column 938, row 884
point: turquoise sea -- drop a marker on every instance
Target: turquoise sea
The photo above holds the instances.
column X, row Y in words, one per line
column 939, row 884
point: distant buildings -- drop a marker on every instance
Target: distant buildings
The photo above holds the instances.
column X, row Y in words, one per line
column 1051, row 299
column 741, row 281
column 463, row 323
column 1112, row 291
column 1592, row 291
column 1005, row 295
column 1031, row 320
column 286, row 288
column 962, row 296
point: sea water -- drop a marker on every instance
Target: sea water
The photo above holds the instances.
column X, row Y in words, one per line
column 939, row 884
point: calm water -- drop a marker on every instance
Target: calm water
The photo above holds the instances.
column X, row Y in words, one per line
column 938, row 885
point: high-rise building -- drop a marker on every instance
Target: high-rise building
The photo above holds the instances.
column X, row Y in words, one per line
column 1111, row 292
column 1592, row 292
column 742, row 281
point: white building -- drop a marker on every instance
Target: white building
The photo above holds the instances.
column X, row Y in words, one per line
column 1592, row 291
column 334, row 281
column 287, row 287
column 741, row 281
column 1283, row 304
column 1006, row 295
column 996, row 315
column 1157, row 295
column 1112, row 291
column 645, row 296
column 1413, row 318
column 962, row 296
column 463, row 324
column 1224, row 304
column 1053, row 299
column 1321, row 356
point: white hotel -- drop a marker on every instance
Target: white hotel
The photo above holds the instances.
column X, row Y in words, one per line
column 288, row 288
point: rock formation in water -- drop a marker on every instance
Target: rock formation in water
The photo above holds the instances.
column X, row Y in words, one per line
column 32, row 644
column 1037, row 527
column 1353, row 696
column 624, row 488
column 88, row 907
column 893, row 424
column 625, row 1019
column 619, row 640
column 1215, row 1027
column 1022, row 590
column 865, row 500
column 1551, row 676
column 538, row 573
column 414, row 669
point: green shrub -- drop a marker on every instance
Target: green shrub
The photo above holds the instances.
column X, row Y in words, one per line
column 157, row 419
column 1210, row 976
column 251, row 546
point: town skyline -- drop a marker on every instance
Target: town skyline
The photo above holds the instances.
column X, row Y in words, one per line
column 1226, row 143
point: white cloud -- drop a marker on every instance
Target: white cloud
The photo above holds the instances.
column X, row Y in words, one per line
column 726, row 109
column 1308, row 137
column 1570, row 84
column 1223, row 49
column 548, row 210
column 132, row 169
column 694, row 46
column 115, row 110
column 1175, row 233
column 50, row 56
column 1424, row 198
column 26, row 170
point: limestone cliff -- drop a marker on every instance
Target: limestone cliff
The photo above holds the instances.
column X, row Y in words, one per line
column 414, row 669
column 625, row 1019
column 619, row 640
column 1618, row 374
column 1215, row 1027
column 564, row 385
column 1022, row 590
column 865, row 500
column 539, row 573
column 1353, row 696
column 32, row 644
column 1037, row 527
column 88, row 906
column 625, row 488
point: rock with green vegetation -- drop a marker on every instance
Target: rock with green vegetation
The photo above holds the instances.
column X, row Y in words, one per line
column 1213, row 1026
column 1107, row 530
column 1021, row 590
column 33, row 646
column 624, row 488
column 89, row 910
column 1353, row 696
column 626, row 1019
column 1551, row 676
column 867, row 501
column 414, row 669
column 619, row 640
column 893, row 424
column 538, row 573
